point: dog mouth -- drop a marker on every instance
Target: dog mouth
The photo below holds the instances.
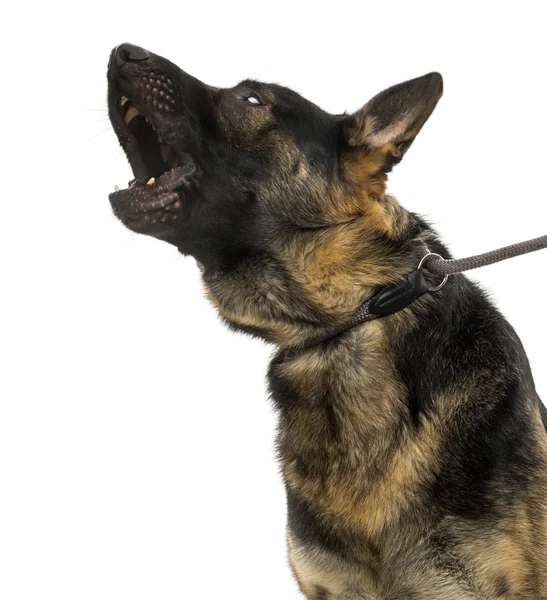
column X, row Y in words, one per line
column 162, row 175
column 149, row 155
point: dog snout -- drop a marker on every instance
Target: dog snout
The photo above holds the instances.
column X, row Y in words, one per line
column 125, row 53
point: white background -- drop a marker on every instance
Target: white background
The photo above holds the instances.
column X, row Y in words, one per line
column 136, row 437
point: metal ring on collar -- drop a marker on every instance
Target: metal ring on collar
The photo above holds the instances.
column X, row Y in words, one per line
column 434, row 288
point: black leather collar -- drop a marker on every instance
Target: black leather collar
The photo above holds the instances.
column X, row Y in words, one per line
column 387, row 301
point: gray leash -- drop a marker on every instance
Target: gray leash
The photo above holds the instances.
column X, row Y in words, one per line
column 441, row 266
column 415, row 284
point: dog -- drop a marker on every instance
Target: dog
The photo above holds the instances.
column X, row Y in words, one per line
column 413, row 447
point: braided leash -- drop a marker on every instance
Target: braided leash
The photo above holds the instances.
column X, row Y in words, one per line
column 414, row 285
column 441, row 266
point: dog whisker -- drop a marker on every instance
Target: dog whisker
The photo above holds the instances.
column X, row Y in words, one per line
column 100, row 133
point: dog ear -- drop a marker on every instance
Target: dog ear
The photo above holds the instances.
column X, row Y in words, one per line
column 386, row 126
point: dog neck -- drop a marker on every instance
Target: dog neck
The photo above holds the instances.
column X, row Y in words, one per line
column 315, row 291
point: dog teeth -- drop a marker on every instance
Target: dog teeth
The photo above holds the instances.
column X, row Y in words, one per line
column 123, row 100
column 151, row 181
column 130, row 114
column 116, row 188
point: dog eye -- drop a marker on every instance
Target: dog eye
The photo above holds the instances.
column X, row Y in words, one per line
column 253, row 99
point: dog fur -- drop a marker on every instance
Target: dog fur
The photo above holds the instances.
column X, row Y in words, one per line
column 414, row 447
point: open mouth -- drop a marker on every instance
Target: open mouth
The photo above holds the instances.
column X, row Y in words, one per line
column 144, row 105
column 149, row 155
column 151, row 201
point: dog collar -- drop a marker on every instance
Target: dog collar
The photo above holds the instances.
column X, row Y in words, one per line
column 414, row 285
column 390, row 299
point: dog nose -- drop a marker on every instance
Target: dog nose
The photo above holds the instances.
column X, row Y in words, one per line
column 130, row 53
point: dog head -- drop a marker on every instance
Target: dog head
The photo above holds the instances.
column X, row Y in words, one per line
column 283, row 205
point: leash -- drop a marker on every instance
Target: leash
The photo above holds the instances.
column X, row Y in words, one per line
column 415, row 284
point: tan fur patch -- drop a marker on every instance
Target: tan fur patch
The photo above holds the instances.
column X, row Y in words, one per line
column 340, row 266
column 364, row 170
column 366, row 191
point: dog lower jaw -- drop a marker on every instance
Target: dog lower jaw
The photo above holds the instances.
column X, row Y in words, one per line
column 152, row 206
